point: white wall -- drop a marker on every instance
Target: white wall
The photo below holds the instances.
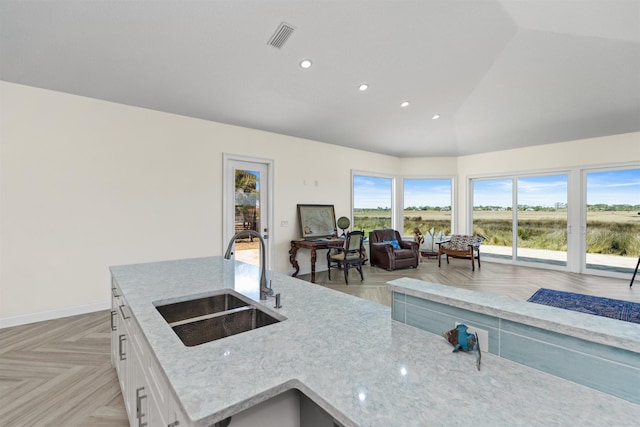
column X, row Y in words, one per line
column 86, row 184
column 429, row 167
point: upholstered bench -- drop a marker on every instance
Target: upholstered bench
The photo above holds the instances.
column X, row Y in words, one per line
column 461, row 246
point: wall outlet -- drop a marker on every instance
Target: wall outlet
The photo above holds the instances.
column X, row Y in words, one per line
column 483, row 336
column 284, row 223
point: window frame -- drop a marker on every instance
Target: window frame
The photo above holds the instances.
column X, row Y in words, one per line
column 576, row 214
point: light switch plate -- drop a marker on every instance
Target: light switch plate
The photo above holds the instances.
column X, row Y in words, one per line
column 483, row 336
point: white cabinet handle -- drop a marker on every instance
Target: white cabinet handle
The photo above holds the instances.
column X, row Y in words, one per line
column 121, row 339
column 124, row 316
column 113, row 325
column 139, row 413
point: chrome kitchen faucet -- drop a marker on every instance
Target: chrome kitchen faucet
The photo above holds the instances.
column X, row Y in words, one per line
column 265, row 291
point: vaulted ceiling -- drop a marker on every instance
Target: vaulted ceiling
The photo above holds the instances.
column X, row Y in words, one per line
column 500, row 73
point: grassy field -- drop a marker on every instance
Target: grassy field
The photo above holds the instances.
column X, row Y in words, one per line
column 615, row 233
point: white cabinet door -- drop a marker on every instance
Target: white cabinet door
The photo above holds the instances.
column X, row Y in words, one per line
column 139, row 395
column 176, row 417
column 156, row 411
column 121, row 349
column 158, row 390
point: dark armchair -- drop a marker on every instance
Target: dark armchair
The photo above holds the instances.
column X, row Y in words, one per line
column 383, row 253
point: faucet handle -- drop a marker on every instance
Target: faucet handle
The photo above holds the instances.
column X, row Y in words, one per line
column 270, row 291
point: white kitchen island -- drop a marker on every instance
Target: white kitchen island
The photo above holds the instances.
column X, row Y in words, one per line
column 344, row 353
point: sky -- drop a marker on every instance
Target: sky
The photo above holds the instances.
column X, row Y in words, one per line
column 607, row 187
column 610, row 187
column 427, row 192
column 544, row 191
column 372, row 192
column 614, row 188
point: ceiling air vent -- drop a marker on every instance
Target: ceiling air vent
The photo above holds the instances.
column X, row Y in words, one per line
column 281, row 35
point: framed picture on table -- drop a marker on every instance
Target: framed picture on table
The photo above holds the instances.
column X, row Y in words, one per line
column 317, row 221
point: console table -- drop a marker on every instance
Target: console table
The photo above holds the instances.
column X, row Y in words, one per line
column 313, row 246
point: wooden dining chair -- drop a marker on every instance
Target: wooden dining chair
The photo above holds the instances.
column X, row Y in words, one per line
column 350, row 255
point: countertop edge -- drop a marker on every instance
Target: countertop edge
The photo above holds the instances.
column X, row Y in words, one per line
column 601, row 330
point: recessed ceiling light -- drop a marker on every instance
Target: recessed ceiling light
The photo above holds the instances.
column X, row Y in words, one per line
column 363, row 87
column 404, row 104
column 305, row 63
column 436, row 117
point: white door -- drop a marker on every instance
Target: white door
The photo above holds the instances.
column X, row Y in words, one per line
column 247, row 205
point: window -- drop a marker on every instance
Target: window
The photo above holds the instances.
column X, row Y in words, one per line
column 372, row 202
column 427, row 206
column 612, row 220
column 493, row 215
column 530, row 222
column 542, row 219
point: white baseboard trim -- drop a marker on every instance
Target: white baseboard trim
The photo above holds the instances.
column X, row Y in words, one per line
column 7, row 322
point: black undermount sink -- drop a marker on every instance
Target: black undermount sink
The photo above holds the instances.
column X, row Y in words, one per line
column 200, row 320
column 200, row 307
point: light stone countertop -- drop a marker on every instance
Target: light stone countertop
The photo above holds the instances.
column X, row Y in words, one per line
column 347, row 355
column 598, row 329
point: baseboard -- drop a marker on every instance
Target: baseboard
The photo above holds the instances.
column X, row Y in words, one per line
column 7, row 322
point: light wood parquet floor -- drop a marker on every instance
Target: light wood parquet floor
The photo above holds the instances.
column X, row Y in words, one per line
column 58, row 372
column 503, row 279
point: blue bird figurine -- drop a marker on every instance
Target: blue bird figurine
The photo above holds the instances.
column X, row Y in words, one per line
column 461, row 339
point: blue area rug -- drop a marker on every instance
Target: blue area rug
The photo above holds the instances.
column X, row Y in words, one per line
column 607, row 307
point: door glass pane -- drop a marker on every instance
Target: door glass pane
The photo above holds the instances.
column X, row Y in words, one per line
column 542, row 219
column 372, row 201
column 492, row 216
column 613, row 220
column 427, row 206
column 247, row 214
